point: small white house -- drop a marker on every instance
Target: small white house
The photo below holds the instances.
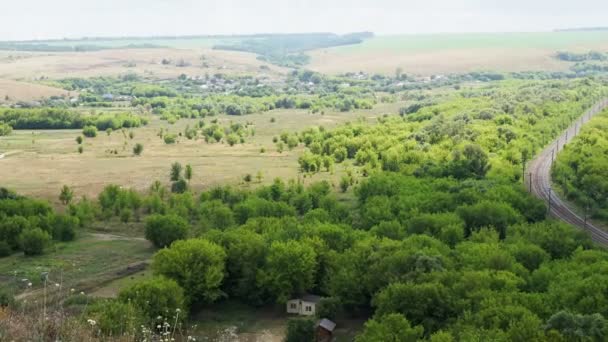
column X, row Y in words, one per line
column 305, row 305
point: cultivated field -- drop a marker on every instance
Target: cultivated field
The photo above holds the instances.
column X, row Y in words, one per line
column 24, row 91
column 454, row 53
column 145, row 62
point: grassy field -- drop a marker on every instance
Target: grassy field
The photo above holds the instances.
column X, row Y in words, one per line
column 83, row 265
column 38, row 163
column 453, row 53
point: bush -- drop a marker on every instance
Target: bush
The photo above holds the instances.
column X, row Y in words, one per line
column 170, row 139
column 89, row 131
column 5, row 249
column 180, row 186
column 300, row 330
column 6, row 298
column 138, row 149
column 329, row 308
column 64, row 227
column 163, row 230
column 80, row 149
column 114, row 318
column 33, row 241
column 156, row 297
column 79, row 139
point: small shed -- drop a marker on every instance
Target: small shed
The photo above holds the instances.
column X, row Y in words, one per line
column 305, row 305
column 325, row 330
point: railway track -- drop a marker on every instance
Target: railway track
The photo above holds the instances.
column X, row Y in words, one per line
column 539, row 170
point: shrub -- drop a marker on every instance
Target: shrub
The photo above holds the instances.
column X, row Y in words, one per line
column 114, row 318
column 89, row 131
column 163, row 230
column 156, row 297
column 328, row 308
column 344, row 183
column 180, row 186
column 5, row 249
column 170, row 139
column 64, row 227
column 138, row 149
column 80, row 149
column 300, row 330
column 232, row 139
column 33, row 241
column 79, row 139
column 6, row 298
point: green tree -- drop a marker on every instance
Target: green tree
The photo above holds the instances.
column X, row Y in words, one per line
column 290, row 269
column 176, row 172
column 197, row 265
column 188, row 172
column 66, row 195
column 300, row 330
column 155, row 297
column 390, row 328
column 162, row 230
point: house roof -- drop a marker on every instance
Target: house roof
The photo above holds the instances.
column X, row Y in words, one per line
column 311, row 298
column 327, row 324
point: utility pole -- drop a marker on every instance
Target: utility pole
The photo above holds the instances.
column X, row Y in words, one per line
column 586, row 213
column 549, row 200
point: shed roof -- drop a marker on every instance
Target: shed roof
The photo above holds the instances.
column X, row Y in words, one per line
column 327, row 324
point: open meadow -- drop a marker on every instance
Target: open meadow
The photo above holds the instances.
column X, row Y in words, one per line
column 40, row 162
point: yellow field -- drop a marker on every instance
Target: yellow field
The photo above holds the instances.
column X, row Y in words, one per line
column 146, row 62
column 458, row 53
column 23, row 91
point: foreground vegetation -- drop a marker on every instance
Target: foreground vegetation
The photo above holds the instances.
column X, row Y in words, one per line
column 580, row 170
column 433, row 238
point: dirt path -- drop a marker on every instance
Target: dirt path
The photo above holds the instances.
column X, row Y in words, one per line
column 540, row 171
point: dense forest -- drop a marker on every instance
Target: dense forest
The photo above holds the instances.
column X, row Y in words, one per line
column 580, row 169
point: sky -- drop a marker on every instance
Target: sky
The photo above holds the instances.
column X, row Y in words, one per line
column 47, row 19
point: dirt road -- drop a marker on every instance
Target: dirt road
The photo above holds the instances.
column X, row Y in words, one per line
column 540, row 171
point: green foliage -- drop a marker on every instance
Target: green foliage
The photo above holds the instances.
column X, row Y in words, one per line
column 162, row 231
column 156, row 297
column 289, row 270
column 89, row 131
column 66, row 195
column 197, row 265
column 5, row 129
column 114, row 318
column 328, row 308
column 392, row 327
column 581, row 167
column 33, row 241
column 300, row 330
column 138, row 149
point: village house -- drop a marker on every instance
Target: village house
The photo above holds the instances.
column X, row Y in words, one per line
column 305, row 305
